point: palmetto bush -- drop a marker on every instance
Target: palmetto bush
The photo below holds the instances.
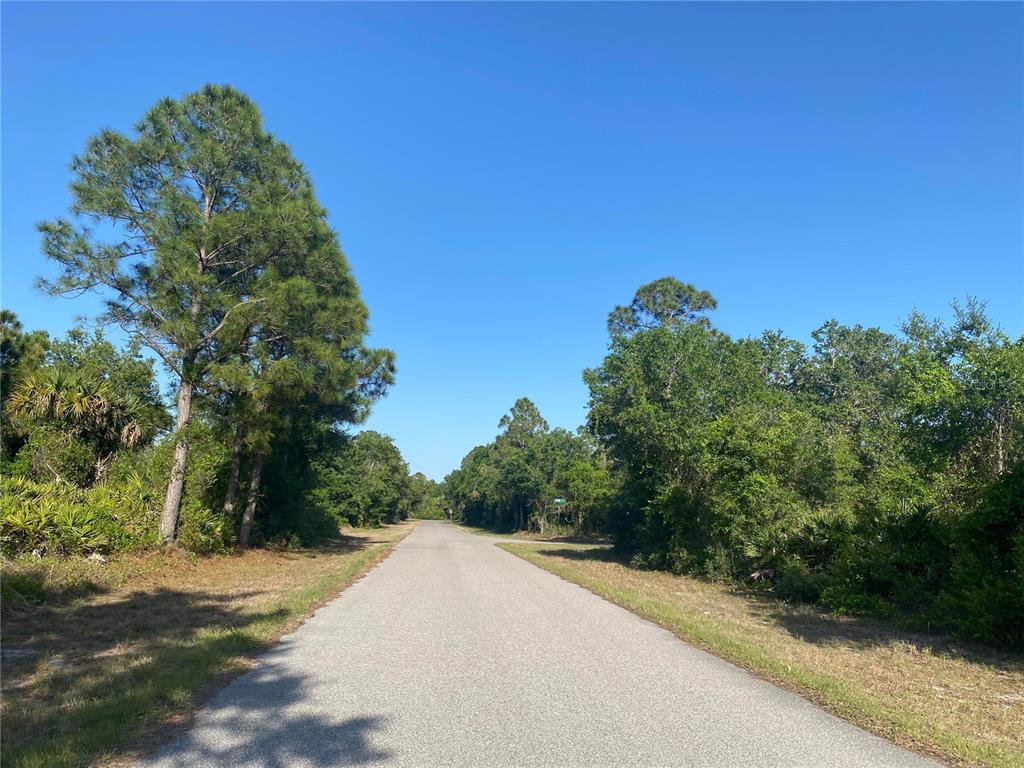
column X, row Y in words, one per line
column 44, row 516
column 84, row 405
column 60, row 518
column 75, row 423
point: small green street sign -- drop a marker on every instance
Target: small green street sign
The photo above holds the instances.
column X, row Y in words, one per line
column 560, row 500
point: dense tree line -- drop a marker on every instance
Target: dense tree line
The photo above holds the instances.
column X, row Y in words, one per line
column 204, row 238
column 873, row 472
column 366, row 481
column 532, row 477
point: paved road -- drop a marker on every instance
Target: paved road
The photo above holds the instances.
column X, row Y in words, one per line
column 453, row 652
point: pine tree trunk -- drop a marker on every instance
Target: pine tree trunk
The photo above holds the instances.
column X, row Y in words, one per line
column 245, row 532
column 1000, row 449
column 176, row 484
column 236, row 468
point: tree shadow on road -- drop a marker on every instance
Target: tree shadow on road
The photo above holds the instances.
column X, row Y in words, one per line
column 251, row 723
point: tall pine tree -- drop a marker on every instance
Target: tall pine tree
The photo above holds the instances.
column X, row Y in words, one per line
column 192, row 210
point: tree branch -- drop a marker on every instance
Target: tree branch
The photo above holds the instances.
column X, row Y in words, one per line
column 220, row 326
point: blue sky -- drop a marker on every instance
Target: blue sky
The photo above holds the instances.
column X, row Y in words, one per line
column 502, row 175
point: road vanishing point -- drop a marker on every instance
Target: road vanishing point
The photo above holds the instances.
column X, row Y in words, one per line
column 453, row 652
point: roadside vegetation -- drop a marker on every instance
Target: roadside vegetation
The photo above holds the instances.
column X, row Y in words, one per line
column 215, row 262
column 871, row 474
column 223, row 284
column 118, row 655
column 961, row 701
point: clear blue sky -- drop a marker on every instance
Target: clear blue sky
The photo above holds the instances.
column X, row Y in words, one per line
column 502, row 175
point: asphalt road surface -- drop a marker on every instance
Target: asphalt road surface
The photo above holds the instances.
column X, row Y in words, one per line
column 453, row 652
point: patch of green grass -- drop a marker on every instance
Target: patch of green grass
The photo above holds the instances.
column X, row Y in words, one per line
column 844, row 695
column 77, row 711
column 22, row 587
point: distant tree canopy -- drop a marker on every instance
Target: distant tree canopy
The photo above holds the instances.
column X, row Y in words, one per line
column 512, row 483
column 426, row 498
column 664, row 303
column 873, row 472
column 366, row 482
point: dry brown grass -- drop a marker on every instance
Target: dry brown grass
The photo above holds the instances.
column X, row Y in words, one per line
column 957, row 700
column 124, row 650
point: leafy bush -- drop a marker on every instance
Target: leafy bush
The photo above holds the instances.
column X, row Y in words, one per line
column 794, row 580
column 117, row 515
column 127, row 512
column 52, row 455
column 201, row 524
column 200, row 530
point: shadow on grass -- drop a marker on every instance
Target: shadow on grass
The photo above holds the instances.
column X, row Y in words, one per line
column 344, row 544
column 101, row 670
column 575, row 539
column 810, row 623
column 599, row 553
column 532, row 537
column 84, row 677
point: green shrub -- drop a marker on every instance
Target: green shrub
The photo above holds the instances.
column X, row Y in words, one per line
column 986, row 598
column 23, row 527
column 795, row 581
column 62, row 519
column 51, row 516
column 127, row 512
column 207, row 461
column 76, row 529
column 201, row 530
column 142, row 476
column 119, row 514
column 52, row 455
